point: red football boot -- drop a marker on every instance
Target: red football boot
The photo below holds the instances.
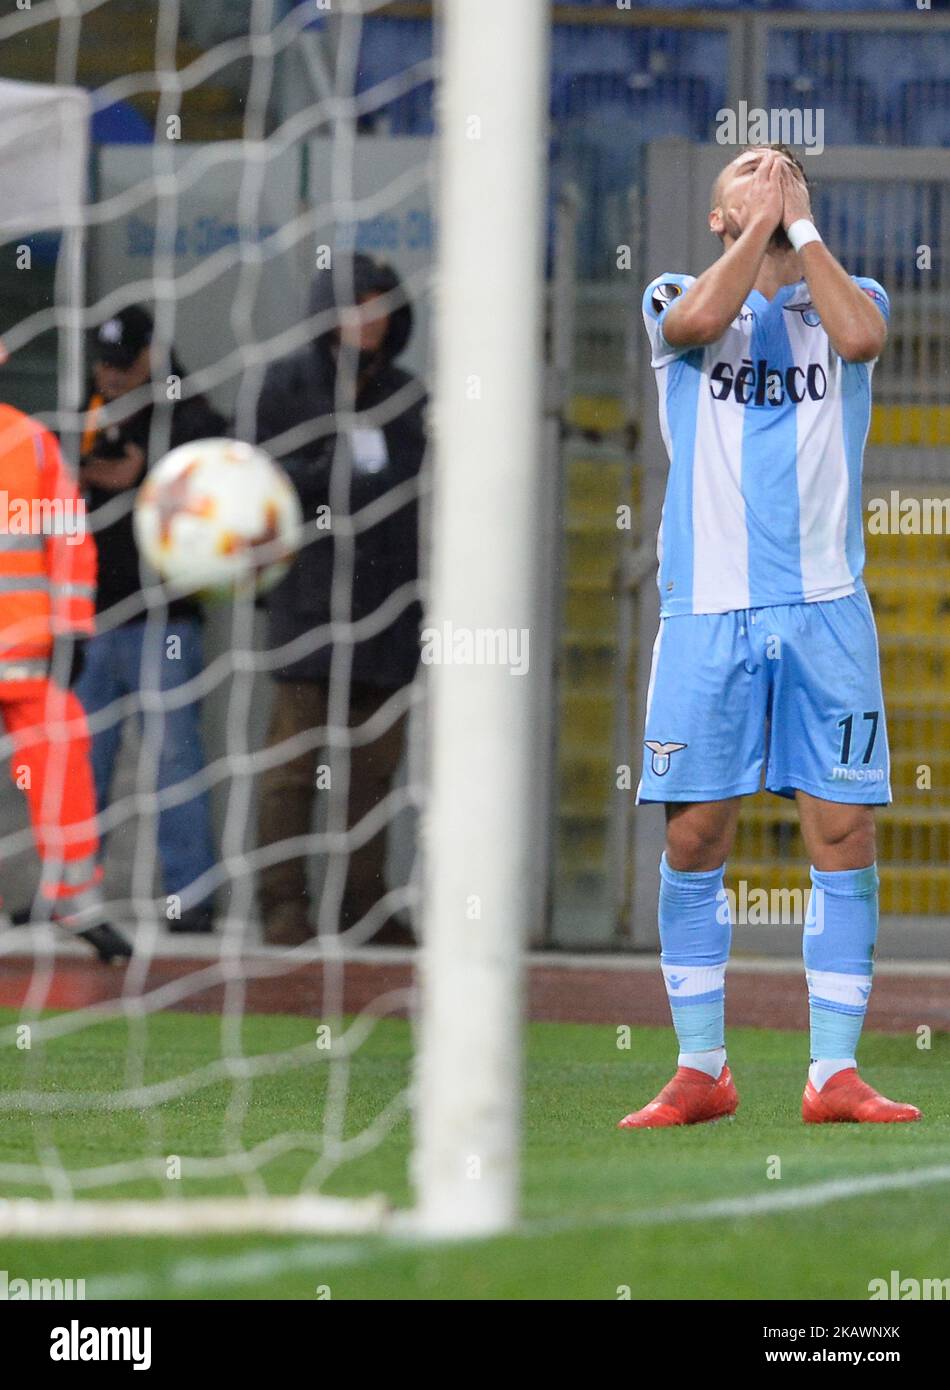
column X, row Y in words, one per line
column 691, row 1098
column 845, row 1097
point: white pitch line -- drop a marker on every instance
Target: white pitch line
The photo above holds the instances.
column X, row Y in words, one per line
column 185, row 1277
column 205, row 1272
column 818, row 1194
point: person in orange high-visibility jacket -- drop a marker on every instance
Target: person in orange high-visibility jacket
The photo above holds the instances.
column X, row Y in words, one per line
column 47, row 607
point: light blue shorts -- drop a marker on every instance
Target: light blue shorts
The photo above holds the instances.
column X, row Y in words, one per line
column 795, row 688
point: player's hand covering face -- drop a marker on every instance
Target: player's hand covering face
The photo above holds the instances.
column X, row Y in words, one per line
column 753, row 193
column 795, row 195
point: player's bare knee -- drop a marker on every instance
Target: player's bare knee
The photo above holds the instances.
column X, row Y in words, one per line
column 847, row 842
column 696, row 841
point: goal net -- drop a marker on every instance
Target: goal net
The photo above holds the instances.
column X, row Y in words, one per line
column 291, row 1071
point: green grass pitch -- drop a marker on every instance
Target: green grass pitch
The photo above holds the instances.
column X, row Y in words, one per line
column 603, row 1209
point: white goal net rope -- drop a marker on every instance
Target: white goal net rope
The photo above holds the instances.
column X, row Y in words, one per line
column 135, row 1114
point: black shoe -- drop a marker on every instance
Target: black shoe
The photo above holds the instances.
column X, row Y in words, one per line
column 392, row 933
column 193, row 919
column 108, row 944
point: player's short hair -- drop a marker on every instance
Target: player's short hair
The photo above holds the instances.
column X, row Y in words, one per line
column 778, row 145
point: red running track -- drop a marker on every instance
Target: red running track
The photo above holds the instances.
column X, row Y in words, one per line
column 556, row 993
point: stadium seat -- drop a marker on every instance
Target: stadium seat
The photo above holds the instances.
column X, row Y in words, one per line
column 886, row 61
column 921, row 115
column 389, row 47
column 658, row 51
column 850, row 111
column 413, row 113
column 785, row 53
column 578, row 48
column 660, row 106
column 704, row 54
column 121, row 124
column 878, row 232
column 603, row 121
column 894, row 6
column 284, row 7
column 727, row 5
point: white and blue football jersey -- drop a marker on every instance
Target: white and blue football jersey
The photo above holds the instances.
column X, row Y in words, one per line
column 765, row 430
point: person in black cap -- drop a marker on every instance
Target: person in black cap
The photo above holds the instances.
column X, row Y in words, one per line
column 381, row 449
column 118, row 661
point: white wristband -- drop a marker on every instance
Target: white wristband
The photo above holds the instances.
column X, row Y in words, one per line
column 800, row 233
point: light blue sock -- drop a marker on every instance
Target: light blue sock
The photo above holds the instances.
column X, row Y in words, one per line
column 695, row 935
column 840, row 932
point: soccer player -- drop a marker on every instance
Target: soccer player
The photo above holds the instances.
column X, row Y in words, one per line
column 47, row 607
column 767, row 651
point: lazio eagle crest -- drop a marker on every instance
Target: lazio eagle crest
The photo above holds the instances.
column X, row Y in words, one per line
column 661, row 755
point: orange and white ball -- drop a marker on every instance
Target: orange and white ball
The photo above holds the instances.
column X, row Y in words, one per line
column 218, row 515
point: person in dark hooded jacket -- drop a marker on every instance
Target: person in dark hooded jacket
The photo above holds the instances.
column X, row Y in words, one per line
column 129, row 656
column 347, row 369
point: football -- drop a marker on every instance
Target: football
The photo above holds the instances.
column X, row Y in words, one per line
column 218, row 516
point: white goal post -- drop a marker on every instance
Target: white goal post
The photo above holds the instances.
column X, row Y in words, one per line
column 482, row 815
